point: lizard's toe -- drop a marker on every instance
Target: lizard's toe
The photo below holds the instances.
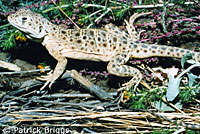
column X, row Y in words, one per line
column 49, row 80
column 51, row 83
column 44, row 85
column 45, row 77
column 42, row 78
column 125, row 86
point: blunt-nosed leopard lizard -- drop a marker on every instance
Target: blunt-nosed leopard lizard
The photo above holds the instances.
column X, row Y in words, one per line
column 109, row 45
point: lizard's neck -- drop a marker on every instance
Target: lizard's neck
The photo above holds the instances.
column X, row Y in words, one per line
column 51, row 32
column 48, row 27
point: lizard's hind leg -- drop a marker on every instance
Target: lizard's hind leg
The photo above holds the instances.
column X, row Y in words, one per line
column 117, row 67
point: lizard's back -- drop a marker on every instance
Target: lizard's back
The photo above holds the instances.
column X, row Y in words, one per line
column 88, row 44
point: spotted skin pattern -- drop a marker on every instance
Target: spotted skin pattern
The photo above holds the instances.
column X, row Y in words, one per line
column 110, row 45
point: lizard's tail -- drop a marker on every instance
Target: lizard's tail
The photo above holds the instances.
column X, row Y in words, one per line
column 150, row 50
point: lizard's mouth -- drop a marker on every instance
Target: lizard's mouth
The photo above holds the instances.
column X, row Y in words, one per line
column 25, row 30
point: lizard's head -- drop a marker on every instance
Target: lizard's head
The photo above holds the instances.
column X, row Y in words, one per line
column 32, row 24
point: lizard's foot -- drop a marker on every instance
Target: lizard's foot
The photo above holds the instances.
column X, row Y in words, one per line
column 49, row 80
column 128, row 85
column 116, row 66
column 125, row 88
column 45, row 77
column 133, row 34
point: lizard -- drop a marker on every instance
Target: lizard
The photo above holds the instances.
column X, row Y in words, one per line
column 100, row 45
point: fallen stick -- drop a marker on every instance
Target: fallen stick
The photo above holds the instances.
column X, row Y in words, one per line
column 9, row 66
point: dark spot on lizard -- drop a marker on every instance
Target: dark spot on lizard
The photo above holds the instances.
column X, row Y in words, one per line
column 77, row 34
column 91, row 32
column 104, row 34
column 144, row 46
column 116, row 32
column 104, row 44
column 40, row 28
column 79, row 41
column 182, row 51
column 154, row 47
column 126, row 35
column 171, row 50
column 124, row 69
column 118, row 60
column 124, row 55
column 63, row 32
column 135, row 46
column 99, row 39
column 71, row 40
column 198, row 57
column 124, row 42
column 92, row 42
column 114, row 39
column 137, row 76
column 188, row 51
column 163, row 48
column 123, row 38
column 84, row 37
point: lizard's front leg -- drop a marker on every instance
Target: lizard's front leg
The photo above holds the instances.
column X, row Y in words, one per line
column 117, row 67
column 60, row 67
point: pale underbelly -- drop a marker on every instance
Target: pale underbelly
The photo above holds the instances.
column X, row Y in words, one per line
column 87, row 56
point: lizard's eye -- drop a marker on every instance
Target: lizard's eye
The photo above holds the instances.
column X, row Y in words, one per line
column 24, row 18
